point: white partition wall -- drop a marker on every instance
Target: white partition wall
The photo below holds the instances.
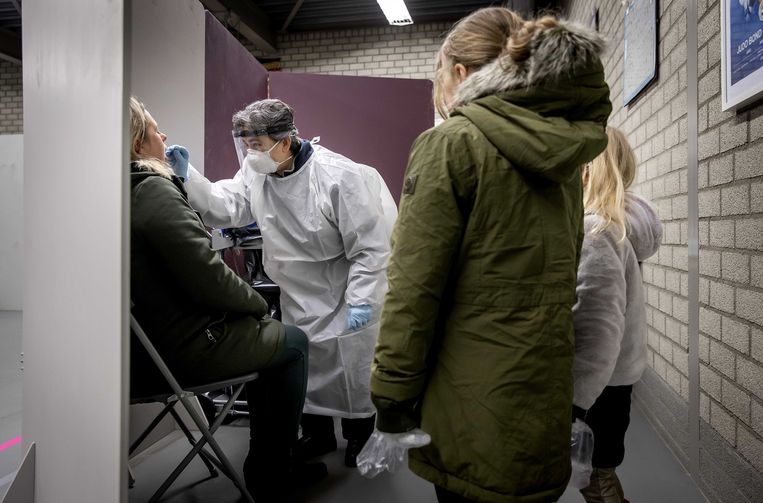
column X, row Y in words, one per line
column 167, row 71
column 11, row 223
column 167, row 74
column 75, row 235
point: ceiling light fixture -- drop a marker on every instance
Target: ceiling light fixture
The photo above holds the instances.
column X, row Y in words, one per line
column 396, row 12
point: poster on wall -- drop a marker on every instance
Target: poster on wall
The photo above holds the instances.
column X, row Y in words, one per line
column 741, row 52
column 640, row 47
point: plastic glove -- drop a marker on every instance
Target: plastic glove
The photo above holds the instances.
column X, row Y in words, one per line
column 358, row 316
column 389, row 451
column 177, row 157
column 581, row 454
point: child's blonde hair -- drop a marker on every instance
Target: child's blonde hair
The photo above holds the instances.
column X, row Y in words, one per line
column 608, row 177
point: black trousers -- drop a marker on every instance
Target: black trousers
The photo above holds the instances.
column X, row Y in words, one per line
column 609, row 418
column 322, row 427
column 445, row 496
column 275, row 402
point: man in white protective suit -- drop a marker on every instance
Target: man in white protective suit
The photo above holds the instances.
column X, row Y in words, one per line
column 326, row 223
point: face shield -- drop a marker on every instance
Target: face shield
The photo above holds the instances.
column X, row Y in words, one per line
column 242, row 142
column 249, row 139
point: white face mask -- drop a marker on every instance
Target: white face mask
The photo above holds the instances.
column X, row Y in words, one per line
column 261, row 162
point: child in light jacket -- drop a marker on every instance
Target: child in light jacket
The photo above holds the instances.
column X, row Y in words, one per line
column 621, row 231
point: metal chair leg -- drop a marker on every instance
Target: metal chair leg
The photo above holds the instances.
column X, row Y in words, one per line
column 224, row 463
column 218, row 458
column 207, row 433
column 202, row 453
column 229, row 467
column 176, row 472
column 167, row 408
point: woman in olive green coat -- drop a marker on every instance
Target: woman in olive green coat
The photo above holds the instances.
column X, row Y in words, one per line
column 207, row 323
column 476, row 343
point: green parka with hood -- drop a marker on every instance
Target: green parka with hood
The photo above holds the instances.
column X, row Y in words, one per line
column 204, row 320
column 476, row 344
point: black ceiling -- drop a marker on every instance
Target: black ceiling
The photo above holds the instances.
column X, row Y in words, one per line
column 10, row 30
column 10, row 15
column 260, row 21
column 342, row 14
column 269, row 17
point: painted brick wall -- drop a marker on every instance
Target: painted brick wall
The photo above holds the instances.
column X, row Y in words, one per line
column 401, row 52
column 731, row 254
column 11, row 99
column 656, row 125
column 731, row 243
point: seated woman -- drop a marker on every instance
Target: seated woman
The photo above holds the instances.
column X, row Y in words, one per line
column 206, row 322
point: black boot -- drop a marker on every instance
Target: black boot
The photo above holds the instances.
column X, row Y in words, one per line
column 357, row 433
column 306, row 474
column 354, row 446
column 313, row 447
column 267, row 474
column 317, row 437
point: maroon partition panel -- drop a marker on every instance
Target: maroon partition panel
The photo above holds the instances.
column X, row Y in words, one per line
column 371, row 120
column 232, row 79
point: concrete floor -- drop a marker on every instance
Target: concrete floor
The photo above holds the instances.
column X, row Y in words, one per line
column 650, row 474
column 10, row 394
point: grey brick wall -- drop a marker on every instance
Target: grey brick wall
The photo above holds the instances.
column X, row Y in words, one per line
column 731, row 243
column 656, row 125
column 401, row 52
column 730, row 174
column 11, row 99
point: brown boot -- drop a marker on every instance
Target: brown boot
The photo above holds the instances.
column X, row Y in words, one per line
column 604, row 487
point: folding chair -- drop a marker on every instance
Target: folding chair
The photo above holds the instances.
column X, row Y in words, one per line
column 178, row 394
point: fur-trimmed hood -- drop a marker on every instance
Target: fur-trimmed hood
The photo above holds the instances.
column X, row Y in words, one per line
column 546, row 115
column 555, row 54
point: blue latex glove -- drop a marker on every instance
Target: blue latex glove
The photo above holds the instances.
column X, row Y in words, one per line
column 358, row 316
column 177, row 157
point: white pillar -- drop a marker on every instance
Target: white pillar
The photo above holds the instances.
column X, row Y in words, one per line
column 76, row 214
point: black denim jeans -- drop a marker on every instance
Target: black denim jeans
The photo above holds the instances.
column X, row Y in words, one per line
column 275, row 402
column 609, row 418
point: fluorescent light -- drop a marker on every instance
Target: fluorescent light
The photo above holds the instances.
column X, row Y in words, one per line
column 396, row 12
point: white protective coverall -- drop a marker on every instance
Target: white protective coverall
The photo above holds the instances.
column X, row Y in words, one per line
column 326, row 232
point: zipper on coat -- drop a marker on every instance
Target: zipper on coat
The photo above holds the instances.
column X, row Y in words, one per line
column 210, row 336
column 216, row 322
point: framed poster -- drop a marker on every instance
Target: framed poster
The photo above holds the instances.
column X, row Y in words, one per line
column 640, row 52
column 741, row 52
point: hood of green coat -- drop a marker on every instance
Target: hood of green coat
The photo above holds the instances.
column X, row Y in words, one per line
column 140, row 173
column 547, row 114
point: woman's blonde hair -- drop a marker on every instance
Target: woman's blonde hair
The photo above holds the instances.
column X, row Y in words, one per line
column 138, row 127
column 479, row 39
column 608, row 177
